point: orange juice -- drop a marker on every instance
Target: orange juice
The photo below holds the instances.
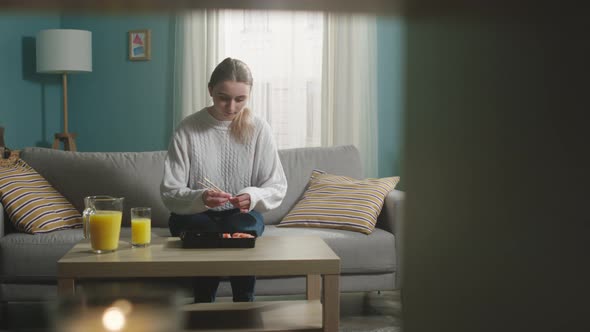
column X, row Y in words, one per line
column 105, row 227
column 140, row 231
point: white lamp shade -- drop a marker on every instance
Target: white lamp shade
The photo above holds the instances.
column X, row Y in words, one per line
column 64, row 51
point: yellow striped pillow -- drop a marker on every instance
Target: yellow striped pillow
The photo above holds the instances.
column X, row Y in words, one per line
column 340, row 202
column 31, row 203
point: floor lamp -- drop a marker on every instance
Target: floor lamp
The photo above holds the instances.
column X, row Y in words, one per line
column 64, row 51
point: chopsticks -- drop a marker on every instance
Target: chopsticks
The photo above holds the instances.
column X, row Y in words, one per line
column 209, row 184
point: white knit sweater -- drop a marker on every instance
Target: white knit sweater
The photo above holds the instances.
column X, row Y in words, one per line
column 203, row 147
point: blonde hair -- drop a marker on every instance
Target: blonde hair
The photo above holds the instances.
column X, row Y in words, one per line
column 242, row 128
column 236, row 70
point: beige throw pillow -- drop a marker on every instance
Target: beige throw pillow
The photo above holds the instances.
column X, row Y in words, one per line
column 340, row 202
column 32, row 204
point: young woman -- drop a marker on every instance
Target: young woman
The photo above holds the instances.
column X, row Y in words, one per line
column 228, row 146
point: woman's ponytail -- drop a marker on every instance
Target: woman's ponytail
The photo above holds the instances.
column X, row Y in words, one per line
column 241, row 128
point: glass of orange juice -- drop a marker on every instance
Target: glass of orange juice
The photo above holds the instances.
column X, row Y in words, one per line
column 102, row 222
column 141, row 224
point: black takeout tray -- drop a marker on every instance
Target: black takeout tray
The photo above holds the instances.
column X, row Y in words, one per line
column 200, row 239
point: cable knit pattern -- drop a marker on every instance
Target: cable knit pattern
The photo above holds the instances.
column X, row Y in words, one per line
column 203, row 147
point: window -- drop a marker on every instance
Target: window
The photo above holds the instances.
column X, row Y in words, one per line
column 284, row 52
column 314, row 73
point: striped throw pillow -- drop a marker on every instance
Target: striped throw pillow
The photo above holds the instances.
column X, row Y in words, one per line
column 340, row 202
column 31, row 203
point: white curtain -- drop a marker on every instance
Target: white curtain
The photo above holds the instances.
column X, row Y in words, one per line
column 196, row 55
column 349, row 85
column 283, row 49
column 314, row 74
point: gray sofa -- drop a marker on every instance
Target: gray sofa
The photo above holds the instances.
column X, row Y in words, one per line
column 28, row 262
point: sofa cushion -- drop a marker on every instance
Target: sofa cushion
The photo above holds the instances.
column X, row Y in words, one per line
column 137, row 175
column 34, row 257
column 298, row 165
column 133, row 175
column 359, row 253
column 32, row 204
column 340, row 202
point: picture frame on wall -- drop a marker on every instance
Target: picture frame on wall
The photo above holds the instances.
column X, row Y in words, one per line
column 140, row 45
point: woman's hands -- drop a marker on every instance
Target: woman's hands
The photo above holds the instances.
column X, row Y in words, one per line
column 215, row 198
column 241, row 202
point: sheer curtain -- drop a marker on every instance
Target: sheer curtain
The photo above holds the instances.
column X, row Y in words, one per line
column 196, row 55
column 349, row 85
column 283, row 50
column 314, row 73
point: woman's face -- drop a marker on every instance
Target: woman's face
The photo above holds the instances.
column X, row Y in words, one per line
column 229, row 99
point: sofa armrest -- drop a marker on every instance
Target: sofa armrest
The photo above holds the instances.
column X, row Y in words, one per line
column 391, row 219
column 1, row 220
column 5, row 226
column 391, row 216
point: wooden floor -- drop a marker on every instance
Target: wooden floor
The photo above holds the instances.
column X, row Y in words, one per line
column 375, row 312
column 363, row 311
column 370, row 312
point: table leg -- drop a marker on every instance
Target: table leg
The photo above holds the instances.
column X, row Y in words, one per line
column 331, row 305
column 314, row 283
column 66, row 286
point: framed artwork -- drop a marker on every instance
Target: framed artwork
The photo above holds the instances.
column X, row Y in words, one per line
column 140, row 45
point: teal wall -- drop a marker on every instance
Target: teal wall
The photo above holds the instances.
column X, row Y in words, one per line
column 123, row 105
column 390, row 41
column 126, row 105
column 30, row 103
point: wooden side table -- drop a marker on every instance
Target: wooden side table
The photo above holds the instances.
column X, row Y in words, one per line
column 68, row 139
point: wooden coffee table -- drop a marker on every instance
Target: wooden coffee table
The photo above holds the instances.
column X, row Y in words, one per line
column 272, row 256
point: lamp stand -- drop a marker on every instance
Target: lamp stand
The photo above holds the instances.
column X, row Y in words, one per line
column 68, row 139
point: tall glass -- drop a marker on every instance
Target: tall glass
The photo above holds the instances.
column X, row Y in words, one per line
column 102, row 222
column 141, row 224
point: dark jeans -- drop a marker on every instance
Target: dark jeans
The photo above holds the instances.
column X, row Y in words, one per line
column 230, row 221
